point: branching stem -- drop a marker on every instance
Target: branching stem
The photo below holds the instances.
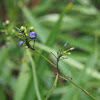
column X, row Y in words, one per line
column 62, row 72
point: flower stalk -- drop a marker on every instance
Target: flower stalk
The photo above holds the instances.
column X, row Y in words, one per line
column 64, row 74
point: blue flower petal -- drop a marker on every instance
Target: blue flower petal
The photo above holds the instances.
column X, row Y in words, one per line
column 32, row 35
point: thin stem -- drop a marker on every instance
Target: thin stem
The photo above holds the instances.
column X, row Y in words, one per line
column 57, row 62
column 53, row 55
column 45, row 58
column 67, row 77
column 63, row 73
column 63, row 78
column 79, row 87
column 53, row 87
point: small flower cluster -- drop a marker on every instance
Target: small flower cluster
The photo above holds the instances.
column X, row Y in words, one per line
column 66, row 52
column 61, row 53
column 32, row 35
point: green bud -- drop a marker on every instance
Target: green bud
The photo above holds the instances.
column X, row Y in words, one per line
column 64, row 52
column 69, row 53
column 31, row 28
column 7, row 22
column 72, row 48
column 22, row 28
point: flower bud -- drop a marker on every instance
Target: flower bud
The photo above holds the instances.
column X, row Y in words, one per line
column 69, row 53
column 66, row 44
column 20, row 43
column 7, row 22
column 64, row 52
column 31, row 28
column 72, row 48
column 23, row 29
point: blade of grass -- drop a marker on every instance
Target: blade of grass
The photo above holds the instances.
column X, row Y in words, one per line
column 55, row 30
column 52, row 89
column 22, row 83
column 34, row 75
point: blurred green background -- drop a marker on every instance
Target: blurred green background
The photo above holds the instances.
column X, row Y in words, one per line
column 79, row 25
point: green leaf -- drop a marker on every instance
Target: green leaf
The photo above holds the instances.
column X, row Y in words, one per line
column 22, row 82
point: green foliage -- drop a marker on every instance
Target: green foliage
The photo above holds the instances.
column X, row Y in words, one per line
column 25, row 75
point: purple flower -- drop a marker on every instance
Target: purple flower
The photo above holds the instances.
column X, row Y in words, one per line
column 66, row 44
column 20, row 43
column 32, row 35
